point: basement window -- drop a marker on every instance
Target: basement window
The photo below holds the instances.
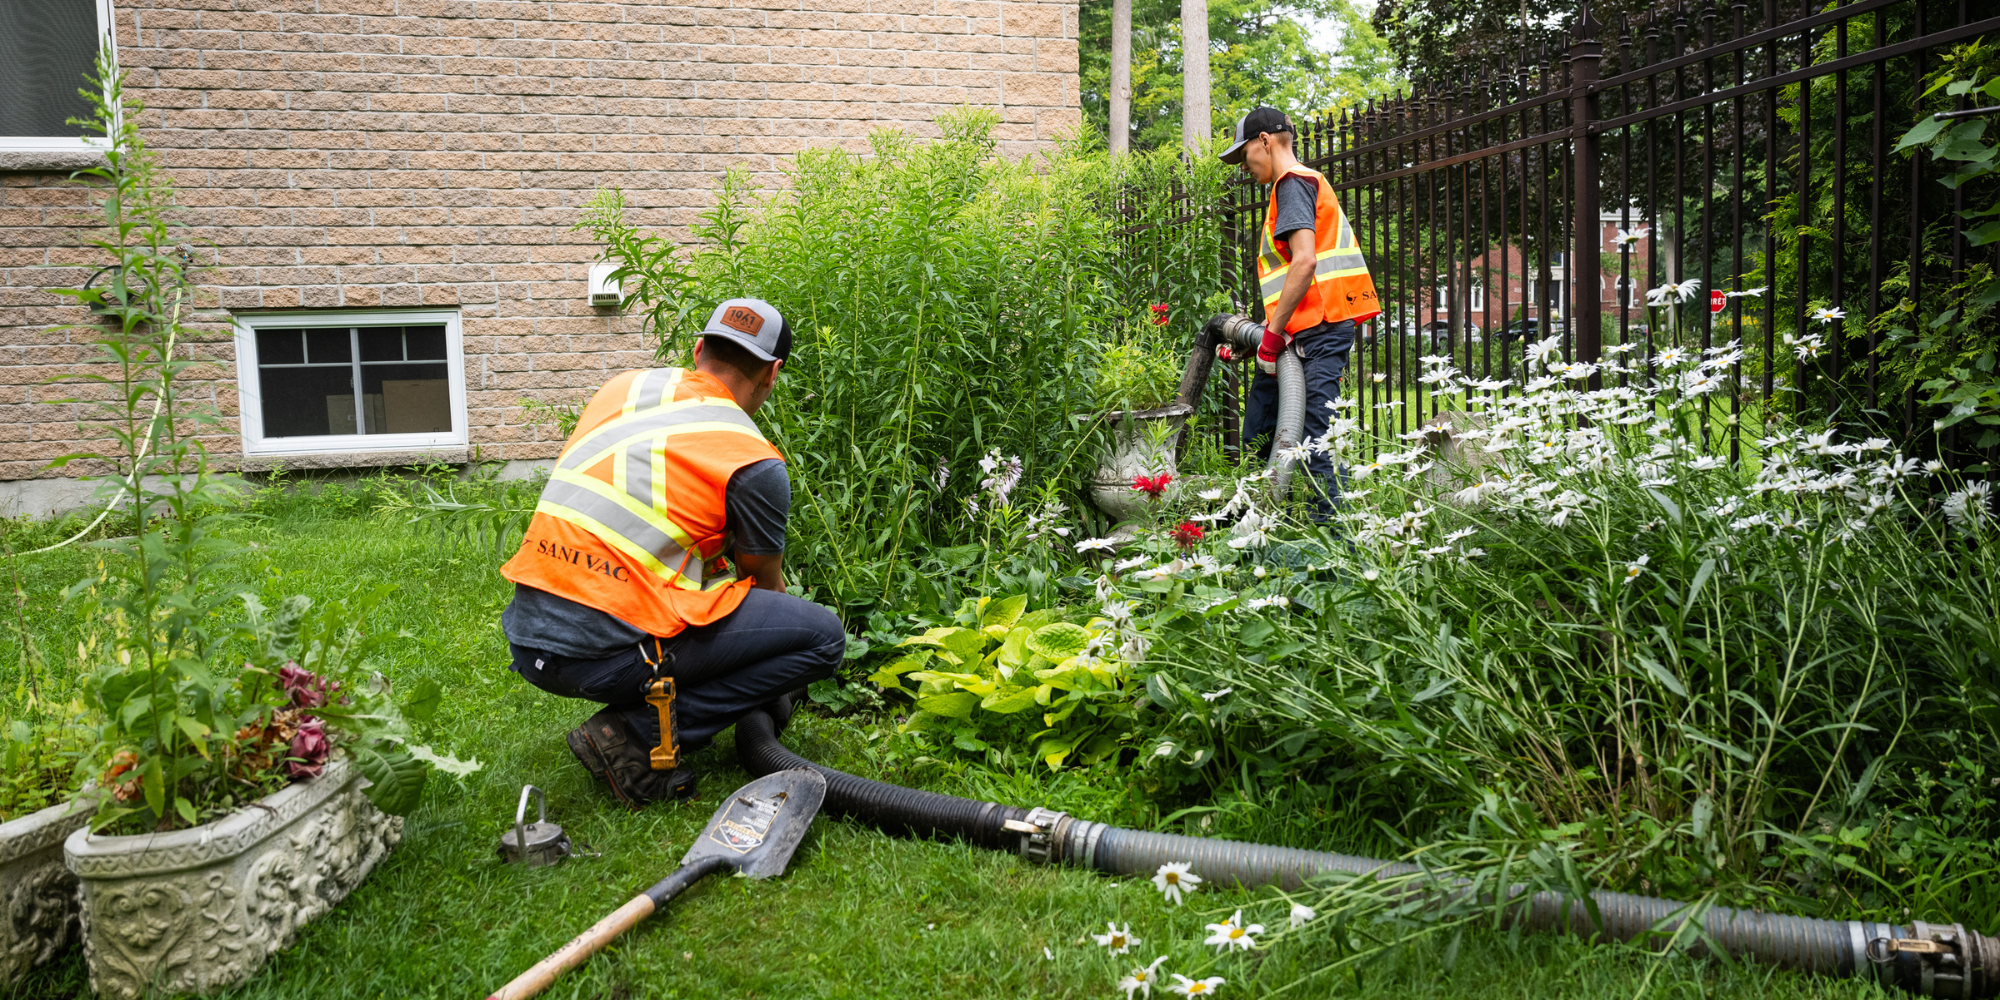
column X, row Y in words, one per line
column 327, row 382
column 46, row 48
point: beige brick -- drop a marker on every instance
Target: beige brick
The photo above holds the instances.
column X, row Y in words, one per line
column 366, row 154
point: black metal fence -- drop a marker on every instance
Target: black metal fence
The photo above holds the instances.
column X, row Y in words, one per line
column 1752, row 146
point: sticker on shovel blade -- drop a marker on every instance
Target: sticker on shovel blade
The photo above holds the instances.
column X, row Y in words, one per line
column 746, row 822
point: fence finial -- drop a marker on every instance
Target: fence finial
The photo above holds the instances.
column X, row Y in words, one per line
column 1586, row 25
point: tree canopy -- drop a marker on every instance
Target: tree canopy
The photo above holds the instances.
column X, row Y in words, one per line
column 1260, row 53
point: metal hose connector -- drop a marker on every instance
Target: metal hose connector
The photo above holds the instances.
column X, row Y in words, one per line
column 1933, row 960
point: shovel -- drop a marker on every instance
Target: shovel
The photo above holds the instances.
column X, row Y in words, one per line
column 754, row 832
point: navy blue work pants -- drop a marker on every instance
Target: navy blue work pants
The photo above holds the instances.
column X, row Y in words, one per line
column 1323, row 349
column 771, row 644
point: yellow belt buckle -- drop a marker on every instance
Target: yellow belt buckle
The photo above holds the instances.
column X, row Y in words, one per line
column 660, row 695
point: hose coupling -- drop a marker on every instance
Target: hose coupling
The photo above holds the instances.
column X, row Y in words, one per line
column 1939, row 960
column 1038, row 831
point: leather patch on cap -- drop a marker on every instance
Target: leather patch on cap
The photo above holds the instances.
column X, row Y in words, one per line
column 743, row 318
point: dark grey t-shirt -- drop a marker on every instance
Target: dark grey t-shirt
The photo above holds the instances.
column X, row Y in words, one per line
column 1298, row 201
column 755, row 505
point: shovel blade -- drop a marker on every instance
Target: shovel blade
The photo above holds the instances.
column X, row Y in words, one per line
column 758, row 826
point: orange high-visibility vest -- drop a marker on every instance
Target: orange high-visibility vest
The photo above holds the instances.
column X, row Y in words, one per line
column 1341, row 287
column 632, row 521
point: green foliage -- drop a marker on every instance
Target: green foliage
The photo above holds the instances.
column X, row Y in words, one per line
column 1260, row 52
column 945, row 303
column 978, row 680
column 1952, row 353
column 1132, row 378
column 562, row 417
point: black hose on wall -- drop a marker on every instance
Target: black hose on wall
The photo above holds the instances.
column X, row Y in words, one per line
column 1926, row 959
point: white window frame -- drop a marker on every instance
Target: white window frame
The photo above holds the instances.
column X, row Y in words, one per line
column 250, row 396
column 1475, row 297
column 106, row 30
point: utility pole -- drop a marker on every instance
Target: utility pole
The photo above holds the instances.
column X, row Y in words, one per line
column 1121, row 76
column 1194, row 73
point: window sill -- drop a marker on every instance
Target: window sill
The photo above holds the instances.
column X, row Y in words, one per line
column 49, row 160
column 451, row 454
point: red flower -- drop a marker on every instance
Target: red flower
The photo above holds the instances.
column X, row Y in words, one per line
column 1186, row 535
column 309, row 749
column 1159, row 314
column 1152, row 486
column 305, row 688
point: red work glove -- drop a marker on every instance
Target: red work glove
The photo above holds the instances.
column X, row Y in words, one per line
column 1223, row 353
column 1268, row 351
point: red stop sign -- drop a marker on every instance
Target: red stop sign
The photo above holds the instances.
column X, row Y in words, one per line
column 1716, row 300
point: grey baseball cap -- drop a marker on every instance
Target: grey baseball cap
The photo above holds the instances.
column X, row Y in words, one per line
column 753, row 323
column 1252, row 125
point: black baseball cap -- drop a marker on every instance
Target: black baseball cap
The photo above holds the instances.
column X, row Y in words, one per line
column 753, row 323
column 1250, row 126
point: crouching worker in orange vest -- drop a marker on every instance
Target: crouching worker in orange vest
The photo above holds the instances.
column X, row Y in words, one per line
column 1315, row 286
column 651, row 579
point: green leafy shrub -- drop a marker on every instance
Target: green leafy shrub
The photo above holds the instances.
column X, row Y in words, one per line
column 978, row 680
column 1133, row 378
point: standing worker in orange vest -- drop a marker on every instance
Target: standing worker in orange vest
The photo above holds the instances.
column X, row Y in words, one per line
column 651, row 579
column 1314, row 284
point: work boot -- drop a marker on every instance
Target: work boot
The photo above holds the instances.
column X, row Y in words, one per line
column 612, row 753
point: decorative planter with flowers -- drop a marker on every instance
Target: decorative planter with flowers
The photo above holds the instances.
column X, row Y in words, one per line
column 1136, row 382
column 199, row 910
column 1142, row 449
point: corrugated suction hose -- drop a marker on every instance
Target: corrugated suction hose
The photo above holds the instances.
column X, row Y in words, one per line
column 1939, row 960
column 1244, row 334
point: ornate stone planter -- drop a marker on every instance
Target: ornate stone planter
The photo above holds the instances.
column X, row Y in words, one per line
column 39, row 893
column 1143, row 443
column 199, row 910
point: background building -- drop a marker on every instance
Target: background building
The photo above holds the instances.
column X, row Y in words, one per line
column 384, row 189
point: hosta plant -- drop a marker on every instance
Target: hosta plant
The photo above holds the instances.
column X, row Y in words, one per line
column 983, row 682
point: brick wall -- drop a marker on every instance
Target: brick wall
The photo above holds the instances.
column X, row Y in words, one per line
column 386, row 153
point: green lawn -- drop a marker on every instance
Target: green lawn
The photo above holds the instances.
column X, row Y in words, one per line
column 860, row 914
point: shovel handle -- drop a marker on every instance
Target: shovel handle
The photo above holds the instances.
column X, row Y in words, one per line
column 540, row 975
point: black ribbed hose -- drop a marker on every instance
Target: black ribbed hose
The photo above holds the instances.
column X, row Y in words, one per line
column 1926, row 959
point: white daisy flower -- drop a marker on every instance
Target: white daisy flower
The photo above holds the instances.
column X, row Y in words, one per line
column 1196, row 987
column 1124, row 564
column 1751, row 293
column 1301, row 914
column 1214, row 494
column 1231, row 934
column 1636, row 567
column 1096, row 545
column 1273, row 601
column 1628, row 237
column 1827, row 314
column 1210, row 696
column 1173, row 878
column 1118, row 942
column 1140, row 980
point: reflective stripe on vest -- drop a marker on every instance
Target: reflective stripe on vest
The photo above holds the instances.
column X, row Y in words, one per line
column 628, row 512
column 1341, row 288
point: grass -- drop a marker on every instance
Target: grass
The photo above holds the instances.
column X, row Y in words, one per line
column 859, row 915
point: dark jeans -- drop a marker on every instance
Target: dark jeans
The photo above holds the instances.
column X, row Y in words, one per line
column 1323, row 349
column 771, row 644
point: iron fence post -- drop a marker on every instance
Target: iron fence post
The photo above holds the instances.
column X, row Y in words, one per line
column 1586, row 276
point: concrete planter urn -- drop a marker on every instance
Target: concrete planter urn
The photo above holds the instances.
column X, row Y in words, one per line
column 196, row 911
column 1143, row 443
column 37, row 890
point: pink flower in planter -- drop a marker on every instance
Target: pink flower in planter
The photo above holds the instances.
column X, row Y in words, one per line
column 309, row 750
column 305, row 688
